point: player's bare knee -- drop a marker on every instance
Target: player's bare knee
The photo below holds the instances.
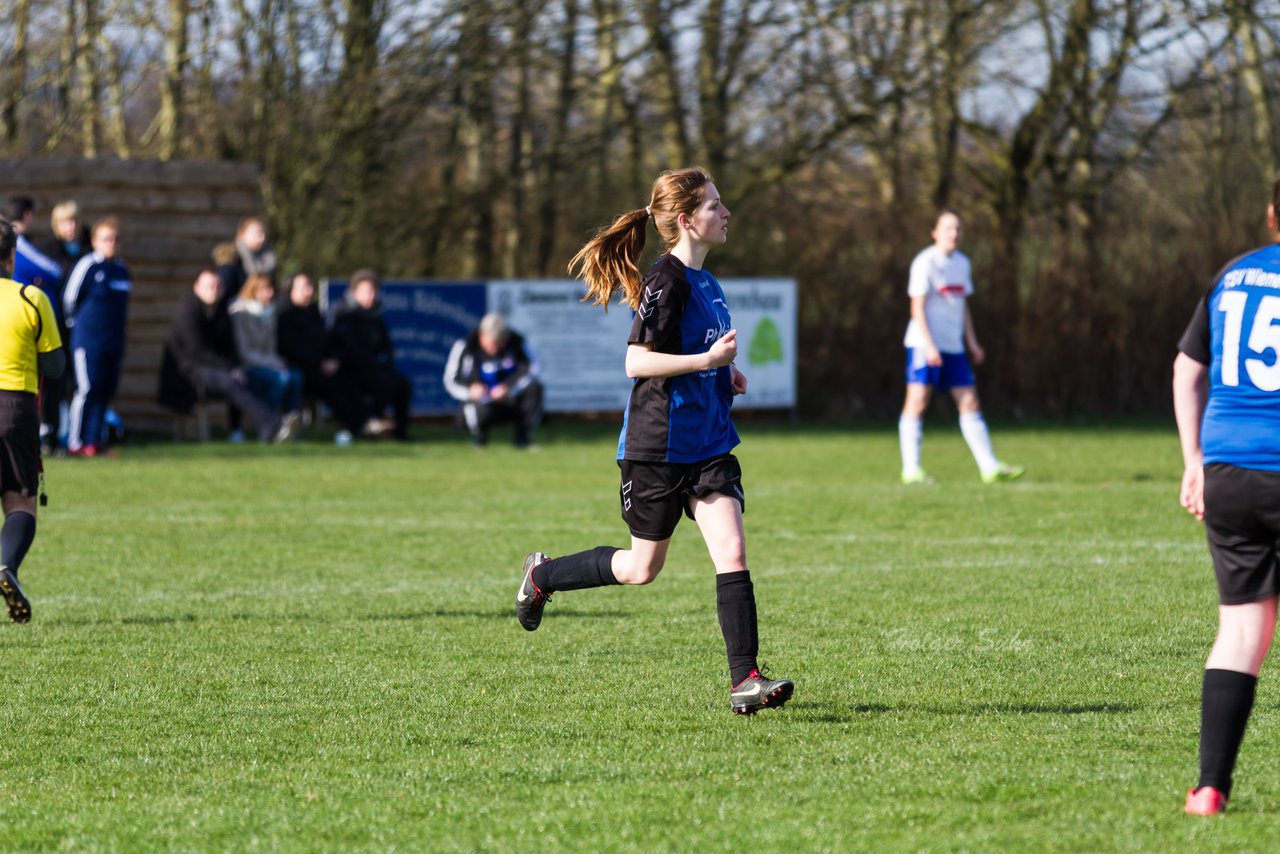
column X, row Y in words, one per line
column 638, row 571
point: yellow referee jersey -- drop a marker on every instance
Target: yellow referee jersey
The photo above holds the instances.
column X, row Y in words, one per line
column 25, row 313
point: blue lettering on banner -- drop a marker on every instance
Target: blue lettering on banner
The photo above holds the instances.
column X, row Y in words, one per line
column 425, row 319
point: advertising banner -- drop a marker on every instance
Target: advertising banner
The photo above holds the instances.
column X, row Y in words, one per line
column 580, row 348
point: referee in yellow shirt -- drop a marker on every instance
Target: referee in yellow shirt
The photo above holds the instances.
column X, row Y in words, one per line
column 29, row 346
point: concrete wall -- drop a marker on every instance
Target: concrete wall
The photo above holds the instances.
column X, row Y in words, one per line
column 171, row 216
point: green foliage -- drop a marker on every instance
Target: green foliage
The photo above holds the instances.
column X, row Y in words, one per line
column 308, row 648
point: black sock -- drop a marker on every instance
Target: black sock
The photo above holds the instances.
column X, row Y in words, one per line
column 15, row 538
column 736, row 607
column 1225, row 703
column 592, row 568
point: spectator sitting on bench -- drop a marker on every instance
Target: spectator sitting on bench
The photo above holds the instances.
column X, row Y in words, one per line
column 201, row 347
column 253, row 325
column 362, row 343
column 304, row 343
column 493, row 376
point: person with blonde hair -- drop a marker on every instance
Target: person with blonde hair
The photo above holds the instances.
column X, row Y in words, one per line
column 253, row 324
column 675, row 449
column 65, row 246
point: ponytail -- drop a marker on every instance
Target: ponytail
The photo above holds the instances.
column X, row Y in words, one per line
column 610, row 260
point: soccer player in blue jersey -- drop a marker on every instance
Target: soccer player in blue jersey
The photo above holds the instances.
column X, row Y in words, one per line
column 1226, row 395
column 940, row 330
column 677, row 437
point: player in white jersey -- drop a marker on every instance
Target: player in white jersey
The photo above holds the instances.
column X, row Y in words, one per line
column 940, row 331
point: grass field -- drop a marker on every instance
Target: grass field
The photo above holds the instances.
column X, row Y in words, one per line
column 310, row 648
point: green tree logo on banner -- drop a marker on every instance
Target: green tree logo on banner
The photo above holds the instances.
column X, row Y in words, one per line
column 766, row 343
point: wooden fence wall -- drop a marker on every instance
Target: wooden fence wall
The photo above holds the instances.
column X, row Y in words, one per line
column 171, row 215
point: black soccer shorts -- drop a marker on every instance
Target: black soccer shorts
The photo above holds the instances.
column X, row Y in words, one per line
column 655, row 494
column 19, row 443
column 1242, row 523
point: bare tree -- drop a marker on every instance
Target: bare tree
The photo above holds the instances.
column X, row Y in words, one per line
column 87, row 69
column 172, row 93
column 15, row 81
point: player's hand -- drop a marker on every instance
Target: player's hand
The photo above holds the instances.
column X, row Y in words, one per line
column 738, row 379
column 328, row 367
column 479, row 392
column 1191, row 496
column 932, row 357
column 725, row 350
column 498, row 392
column 976, row 354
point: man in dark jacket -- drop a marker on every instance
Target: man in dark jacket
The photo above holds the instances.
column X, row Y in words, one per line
column 304, row 344
column 201, row 344
column 363, row 346
column 493, row 376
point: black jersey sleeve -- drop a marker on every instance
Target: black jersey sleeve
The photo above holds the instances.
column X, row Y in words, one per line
column 657, row 320
column 1195, row 340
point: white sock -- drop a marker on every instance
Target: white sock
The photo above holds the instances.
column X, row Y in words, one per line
column 974, row 429
column 910, row 432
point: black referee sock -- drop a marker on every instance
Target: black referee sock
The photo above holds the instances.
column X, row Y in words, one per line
column 592, row 568
column 1225, row 703
column 736, row 607
column 16, row 535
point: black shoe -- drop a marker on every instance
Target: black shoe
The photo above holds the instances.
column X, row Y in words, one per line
column 529, row 599
column 19, row 607
column 755, row 692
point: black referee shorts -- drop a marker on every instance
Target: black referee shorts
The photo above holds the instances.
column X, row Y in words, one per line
column 19, row 443
column 1242, row 522
column 655, row 494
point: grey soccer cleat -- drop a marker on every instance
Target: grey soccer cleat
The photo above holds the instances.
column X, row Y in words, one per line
column 529, row 599
column 19, row 607
column 755, row 692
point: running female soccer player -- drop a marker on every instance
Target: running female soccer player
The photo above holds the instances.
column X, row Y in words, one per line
column 1226, row 396
column 937, row 335
column 674, row 451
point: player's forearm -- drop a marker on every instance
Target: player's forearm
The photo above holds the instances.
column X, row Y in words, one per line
column 1190, row 394
column 644, row 363
column 970, row 337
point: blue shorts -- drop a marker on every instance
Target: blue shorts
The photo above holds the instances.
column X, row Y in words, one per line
column 954, row 372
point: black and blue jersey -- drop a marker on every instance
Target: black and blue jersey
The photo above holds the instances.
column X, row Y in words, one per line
column 682, row 419
column 96, row 303
column 1236, row 332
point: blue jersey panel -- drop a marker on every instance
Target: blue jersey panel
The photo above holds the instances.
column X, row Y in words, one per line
column 1242, row 419
column 700, row 402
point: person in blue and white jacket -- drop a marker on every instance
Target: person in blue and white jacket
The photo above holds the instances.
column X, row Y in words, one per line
column 96, row 306
column 30, row 265
column 492, row 374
